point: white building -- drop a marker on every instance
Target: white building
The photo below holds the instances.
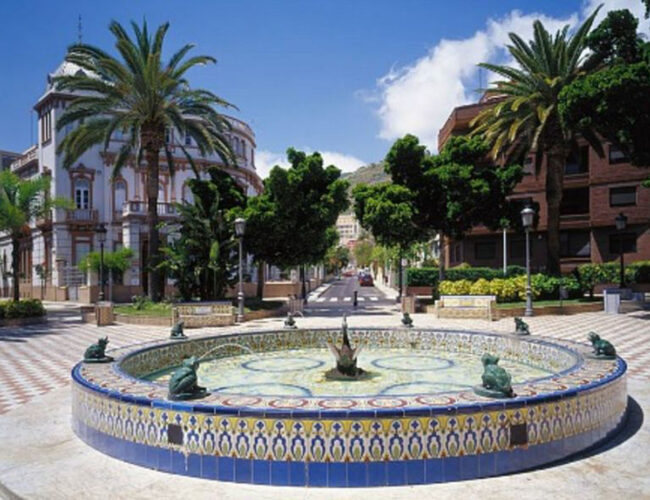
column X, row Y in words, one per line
column 57, row 243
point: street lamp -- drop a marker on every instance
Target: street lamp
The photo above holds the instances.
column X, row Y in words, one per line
column 240, row 229
column 101, row 236
column 527, row 216
column 621, row 224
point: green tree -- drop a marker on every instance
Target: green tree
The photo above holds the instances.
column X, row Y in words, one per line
column 613, row 101
column 526, row 118
column 363, row 252
column 337, row 258
column 388, row 211
column 141, row 97
column 203, row 258
column 116, row 263
column 292, row 222
column 20, row 202
column 455, row 190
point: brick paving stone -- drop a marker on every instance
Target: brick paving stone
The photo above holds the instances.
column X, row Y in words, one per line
column 36, row 359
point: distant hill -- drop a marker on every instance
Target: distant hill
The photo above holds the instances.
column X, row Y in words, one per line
column 370, row 174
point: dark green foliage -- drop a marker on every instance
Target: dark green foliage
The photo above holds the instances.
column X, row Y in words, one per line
column 24, row 308
column 455, row 190
column 387, row 211
column 428, row 276
column 615, row 39
column 292, row 222
column 337, row 258
column 203, row 259
column 613, row 102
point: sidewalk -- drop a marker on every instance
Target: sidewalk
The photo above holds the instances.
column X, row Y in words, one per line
column 389, row 292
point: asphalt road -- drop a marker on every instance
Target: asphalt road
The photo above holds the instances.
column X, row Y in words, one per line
column 339, row 298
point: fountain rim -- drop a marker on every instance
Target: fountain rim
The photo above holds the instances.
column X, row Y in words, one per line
column 425, row 410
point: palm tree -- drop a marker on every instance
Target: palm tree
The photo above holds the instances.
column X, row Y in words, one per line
column 526, row 117
column 142, row 97
column 20, row 202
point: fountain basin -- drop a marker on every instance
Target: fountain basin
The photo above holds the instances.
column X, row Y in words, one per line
column 403, row 426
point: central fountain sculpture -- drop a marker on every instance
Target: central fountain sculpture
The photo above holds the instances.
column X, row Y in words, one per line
column 346, row 359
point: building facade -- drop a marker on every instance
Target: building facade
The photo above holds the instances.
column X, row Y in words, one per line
column 50, row 254
column 596, row 190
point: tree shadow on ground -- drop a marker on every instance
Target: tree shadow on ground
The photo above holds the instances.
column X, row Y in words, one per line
column 57, row 322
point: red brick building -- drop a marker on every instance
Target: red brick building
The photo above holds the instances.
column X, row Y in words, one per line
column 596, row 190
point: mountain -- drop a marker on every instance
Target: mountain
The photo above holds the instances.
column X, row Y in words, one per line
column 369, row 174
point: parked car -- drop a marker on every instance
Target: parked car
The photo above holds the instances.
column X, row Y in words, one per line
column 366, row 280
column 349, row 272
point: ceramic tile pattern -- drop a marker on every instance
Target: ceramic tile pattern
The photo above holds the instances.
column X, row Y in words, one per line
column 557, row 416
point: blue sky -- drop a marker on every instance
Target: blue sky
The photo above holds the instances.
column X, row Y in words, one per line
column 341, row 77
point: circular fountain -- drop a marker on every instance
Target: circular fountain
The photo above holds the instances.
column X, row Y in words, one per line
column 273, row 416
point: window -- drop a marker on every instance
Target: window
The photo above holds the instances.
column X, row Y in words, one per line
column 577, row 162
column 120, row 195
column 575, row 201
column 81, row 249
column 517, row 249
column 46, row 127
column 529, row 165
column 575, row 244
column 622, row 196
column 82, row 193
column 616, row 156
column 485, row 250
column 628, row 240
column 168, row 136
column 188, row 139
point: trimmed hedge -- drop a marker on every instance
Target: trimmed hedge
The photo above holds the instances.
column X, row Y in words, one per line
column 514, row 289
column 428, row 276
column 26, row 308
column 590, row 275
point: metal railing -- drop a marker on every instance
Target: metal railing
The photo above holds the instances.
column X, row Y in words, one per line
column 81, row 215
column 131, row 208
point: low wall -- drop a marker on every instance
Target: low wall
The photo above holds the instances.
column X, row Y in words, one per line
column 143, row 320
column 419, row 290
column 550, row 310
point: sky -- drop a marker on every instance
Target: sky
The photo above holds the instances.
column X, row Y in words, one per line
column 342, row 77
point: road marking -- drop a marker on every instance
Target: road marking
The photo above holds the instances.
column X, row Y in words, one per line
column 361, row 299
column 334, row 299
column 347, row 299
column 374, row 298
column 321, row 299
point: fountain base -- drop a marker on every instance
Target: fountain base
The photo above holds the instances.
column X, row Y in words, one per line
column 335, row 374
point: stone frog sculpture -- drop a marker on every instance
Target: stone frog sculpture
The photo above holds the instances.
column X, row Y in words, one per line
column 96, row 352
column 407, row 321
column 496, row 380
column 521, row 327
column 602, row 348
column 290, row 322
column 183, row 382
column 346, row 356
column 177, row 331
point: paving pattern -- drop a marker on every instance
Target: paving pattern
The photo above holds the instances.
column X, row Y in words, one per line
column 36, row 359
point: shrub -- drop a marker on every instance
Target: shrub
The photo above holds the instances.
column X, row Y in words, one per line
column 461, row 287
column 26, row 308
column 422, row 276
column 140, row 302
column 638, row 272
column 480, row 287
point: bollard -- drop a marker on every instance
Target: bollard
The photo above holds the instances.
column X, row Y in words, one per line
column 355, row 302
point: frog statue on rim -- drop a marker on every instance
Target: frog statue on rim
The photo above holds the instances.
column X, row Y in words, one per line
column 496, row 380
column 183, row 382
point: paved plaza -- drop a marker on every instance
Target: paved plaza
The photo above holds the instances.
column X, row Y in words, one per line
column 43, row 459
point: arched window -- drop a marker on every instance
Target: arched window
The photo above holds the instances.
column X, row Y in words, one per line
column 161, row 192
column 82, row 193
column 120, row 195
column 188, row 196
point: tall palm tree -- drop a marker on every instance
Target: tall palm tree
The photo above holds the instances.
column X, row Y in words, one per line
column 142, row 97
column 527, row 119
column 20, row 202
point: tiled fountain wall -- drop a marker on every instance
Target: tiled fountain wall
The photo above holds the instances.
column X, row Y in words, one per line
column 370, row 441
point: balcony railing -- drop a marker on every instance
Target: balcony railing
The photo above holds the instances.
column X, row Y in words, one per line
column 27, row 157
column 81, row 215
column 140, row 208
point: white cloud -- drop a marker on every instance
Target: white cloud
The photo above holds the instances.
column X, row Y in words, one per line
column 266, row 160
column 417, row 98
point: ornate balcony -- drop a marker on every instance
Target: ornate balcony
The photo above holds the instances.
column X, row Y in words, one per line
column 81, row 216
column 140, row 208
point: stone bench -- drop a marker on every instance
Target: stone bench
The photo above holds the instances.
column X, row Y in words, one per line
column 201, row 314
column 466, row 306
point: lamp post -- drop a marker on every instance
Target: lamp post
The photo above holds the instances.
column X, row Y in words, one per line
column 101, row 236
column 527, row 216
column 621, row 224
column 240, row 228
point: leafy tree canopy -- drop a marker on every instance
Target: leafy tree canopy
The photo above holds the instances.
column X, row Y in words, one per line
column 292, row 222
column 203, row 258
column 615, row 38
column 455, row 190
